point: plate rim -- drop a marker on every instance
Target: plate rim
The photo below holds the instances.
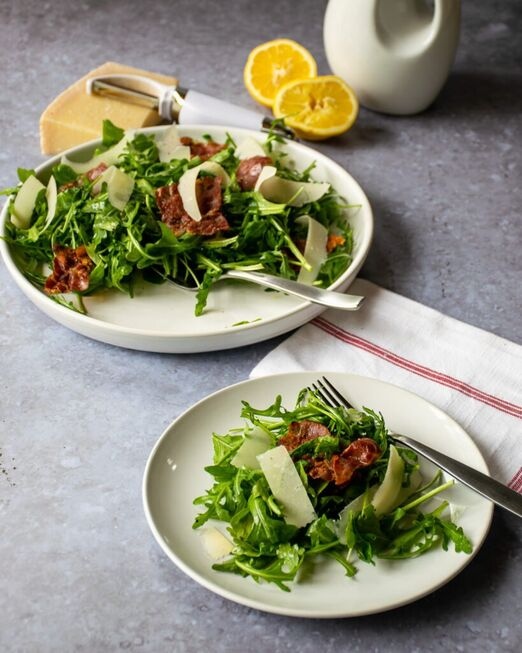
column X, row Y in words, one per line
column 88, row 322
column 302, row 612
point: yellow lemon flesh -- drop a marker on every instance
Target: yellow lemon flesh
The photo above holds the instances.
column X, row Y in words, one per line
column 317, row 108
column 274, row 63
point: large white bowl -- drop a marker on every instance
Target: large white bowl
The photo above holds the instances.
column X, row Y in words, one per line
column 161, row 318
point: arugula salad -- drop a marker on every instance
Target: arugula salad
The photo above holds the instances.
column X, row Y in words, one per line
column 164, row 206
column 294, row 485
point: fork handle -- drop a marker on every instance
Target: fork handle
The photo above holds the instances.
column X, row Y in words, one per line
column 482, row 483
column 310, row 293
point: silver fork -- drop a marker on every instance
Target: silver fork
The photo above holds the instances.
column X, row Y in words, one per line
column 312, row 294
column 482, row 483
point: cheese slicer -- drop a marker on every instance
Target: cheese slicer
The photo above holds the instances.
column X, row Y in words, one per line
column 181, row 105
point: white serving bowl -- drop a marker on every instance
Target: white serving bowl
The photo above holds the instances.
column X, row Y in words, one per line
column 160, row 318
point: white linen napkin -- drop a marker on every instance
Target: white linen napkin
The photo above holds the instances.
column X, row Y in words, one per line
column 472, row 375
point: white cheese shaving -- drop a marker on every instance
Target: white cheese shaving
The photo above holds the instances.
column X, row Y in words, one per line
column 25, row 201
column 187, row 186
column 384, row 497
column 248, row 148
column 286, row 486
column 180, row 152
column 51, row 195
column 216, row 544
column 315, row 249
column 119, row 186
column 456, row 511
column 286, row 191
column 405, row 492
column 170, row 147
column 388, row 491
column 256, row 442
column 109, row 157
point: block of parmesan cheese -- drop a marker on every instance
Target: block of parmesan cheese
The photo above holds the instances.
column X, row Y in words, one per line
column 75, row 117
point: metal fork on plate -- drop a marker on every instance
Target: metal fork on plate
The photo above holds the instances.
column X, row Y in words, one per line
column 482, row 483
column 312, row 294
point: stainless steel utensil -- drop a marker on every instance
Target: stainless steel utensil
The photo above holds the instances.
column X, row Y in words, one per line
column 181, row 105
column 482, row 483
column 312, row 294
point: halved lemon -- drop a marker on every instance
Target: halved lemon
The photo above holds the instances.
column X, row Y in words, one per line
column 317, row 108
column 273, row 64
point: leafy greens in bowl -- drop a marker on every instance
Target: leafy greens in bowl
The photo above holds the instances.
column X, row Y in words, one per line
column 110, row 217
column 172, row 206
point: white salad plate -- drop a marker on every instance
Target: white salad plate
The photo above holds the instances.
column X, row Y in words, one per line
column 160, row 318
column 174, row 476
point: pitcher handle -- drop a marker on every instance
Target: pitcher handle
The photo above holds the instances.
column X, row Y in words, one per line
column 444, row 12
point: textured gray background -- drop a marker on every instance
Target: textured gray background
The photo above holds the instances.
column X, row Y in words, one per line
column 79, row 569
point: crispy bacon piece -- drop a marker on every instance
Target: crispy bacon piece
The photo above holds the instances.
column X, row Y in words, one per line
column 69, row 184
column 320, row 468
column 300, row 244
column 209, row 198
column 94, row 173
column 299, row 432
column 91, row 175
column 204, row 149
column 334, row 240
column 340, row 469
column 364, row 451
column 249, row 170
column 71, row 270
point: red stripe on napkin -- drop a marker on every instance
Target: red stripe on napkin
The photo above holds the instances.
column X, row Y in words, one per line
column 516, row 481
column 420, row 370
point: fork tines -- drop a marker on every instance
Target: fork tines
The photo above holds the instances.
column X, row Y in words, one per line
column 329, row 393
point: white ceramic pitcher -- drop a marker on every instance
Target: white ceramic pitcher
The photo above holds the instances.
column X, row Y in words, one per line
column 395, row 54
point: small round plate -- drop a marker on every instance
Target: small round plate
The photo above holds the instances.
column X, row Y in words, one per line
column 174, row 476
column 161, row 318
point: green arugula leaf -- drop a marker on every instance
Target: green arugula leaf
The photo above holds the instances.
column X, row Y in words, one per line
column 64, row 174
column 225, row 447
column 25, row 173
column 111, row 134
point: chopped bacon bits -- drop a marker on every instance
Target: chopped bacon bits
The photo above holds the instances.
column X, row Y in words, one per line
column 340, row 468
column 249, row 170
column 71, row 270
column 364, row 451
column 69, row 184
column 209, row 198
column 320, row 468
column 169, row 203
column 208, row 195
column 300, row 244
column 90, row 175
column 334, row 240
column 202, row 149
column 303, row 431
column 94, row 173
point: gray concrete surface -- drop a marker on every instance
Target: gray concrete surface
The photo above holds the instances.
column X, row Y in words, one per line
column 79, row 569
